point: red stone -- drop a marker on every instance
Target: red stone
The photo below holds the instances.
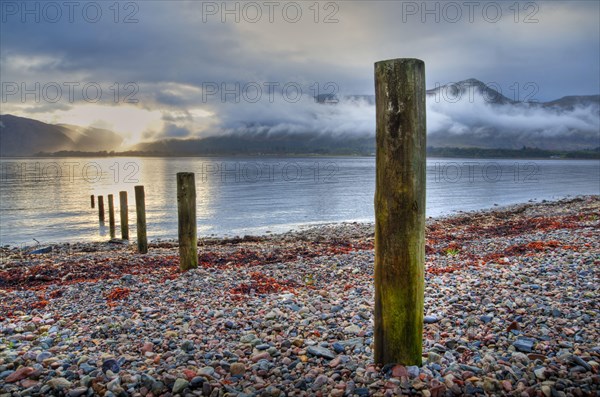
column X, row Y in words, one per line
column 19, row 374
column 438, row 391
column 260, row 356
column 399, row 371
column 535, row 356
column 390, row 385
column 147, row 347
column 189, row 374
column 335, row 362
column 514, row 325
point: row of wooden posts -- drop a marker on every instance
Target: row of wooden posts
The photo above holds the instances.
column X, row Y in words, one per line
column 140, row 209
column 399, row 212
column 186, row 203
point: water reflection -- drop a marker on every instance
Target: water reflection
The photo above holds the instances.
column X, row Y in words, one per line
column 49, row 199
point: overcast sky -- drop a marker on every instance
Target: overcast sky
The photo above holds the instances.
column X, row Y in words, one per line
column 177, row 55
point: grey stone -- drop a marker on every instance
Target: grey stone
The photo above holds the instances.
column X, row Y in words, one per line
column 78, row 392
column 59, row 383
column 319, row 382
column 187, row 346
column 338, row 348
column 321, row 352
column 197, row 382
column 524, row 345
column 207, row 371
column 413, row 371
column 180, row 385
column 579, row 361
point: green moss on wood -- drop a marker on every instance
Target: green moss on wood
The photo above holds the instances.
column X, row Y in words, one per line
column 399, row 211
column 140, row 210
column 186, row 209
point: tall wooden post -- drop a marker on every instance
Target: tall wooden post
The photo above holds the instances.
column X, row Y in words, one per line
column 140, row 210
column 101, row 209
column 111, row 215
column 92, row 201
column 399, row 211
column 123, row 211
column 186, row 210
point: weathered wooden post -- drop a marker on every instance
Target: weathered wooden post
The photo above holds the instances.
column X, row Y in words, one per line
column 92, row 201
column 111, row 216
column 101, row 209
column 123, row 210
column 186, row 210
column 140, row 210
column 399, row 211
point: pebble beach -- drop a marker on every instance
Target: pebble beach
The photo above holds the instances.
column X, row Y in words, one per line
column 511, row 308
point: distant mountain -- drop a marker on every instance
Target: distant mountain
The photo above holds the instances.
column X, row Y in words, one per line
column 467, row 90
column 451, row 91
column 570, row 102
column 471, row 114
column 20, row 136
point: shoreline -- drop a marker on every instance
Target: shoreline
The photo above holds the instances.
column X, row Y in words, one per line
column 297, row 228
column 511, row 304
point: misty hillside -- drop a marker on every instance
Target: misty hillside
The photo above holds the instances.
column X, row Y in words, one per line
column 262, row 143
column 459, row 90
column 573, row 101
column 467, row 114
column 466, row 90
column 90, row 138
column 20, row 136
column 470, row 114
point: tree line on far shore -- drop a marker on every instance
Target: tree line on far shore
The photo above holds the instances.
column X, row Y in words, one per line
column 452, row 152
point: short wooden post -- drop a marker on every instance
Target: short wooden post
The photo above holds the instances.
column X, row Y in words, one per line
column 140, row 210
column 123, row 210
column 101, row 208
column 92, row 201
column 399, row 211
column 111, row 215
column 186, row 210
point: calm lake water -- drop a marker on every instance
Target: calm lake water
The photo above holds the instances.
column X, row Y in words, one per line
column 49, row 199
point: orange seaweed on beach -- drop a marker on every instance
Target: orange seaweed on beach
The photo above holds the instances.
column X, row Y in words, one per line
column 262, row 284
column 442, row 270
column 69, row 271
column 534, row 246
column 117, row 294
column 39, row 304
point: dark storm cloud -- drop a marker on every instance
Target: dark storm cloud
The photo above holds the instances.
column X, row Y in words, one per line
column 174, row 51
column 172, row 131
